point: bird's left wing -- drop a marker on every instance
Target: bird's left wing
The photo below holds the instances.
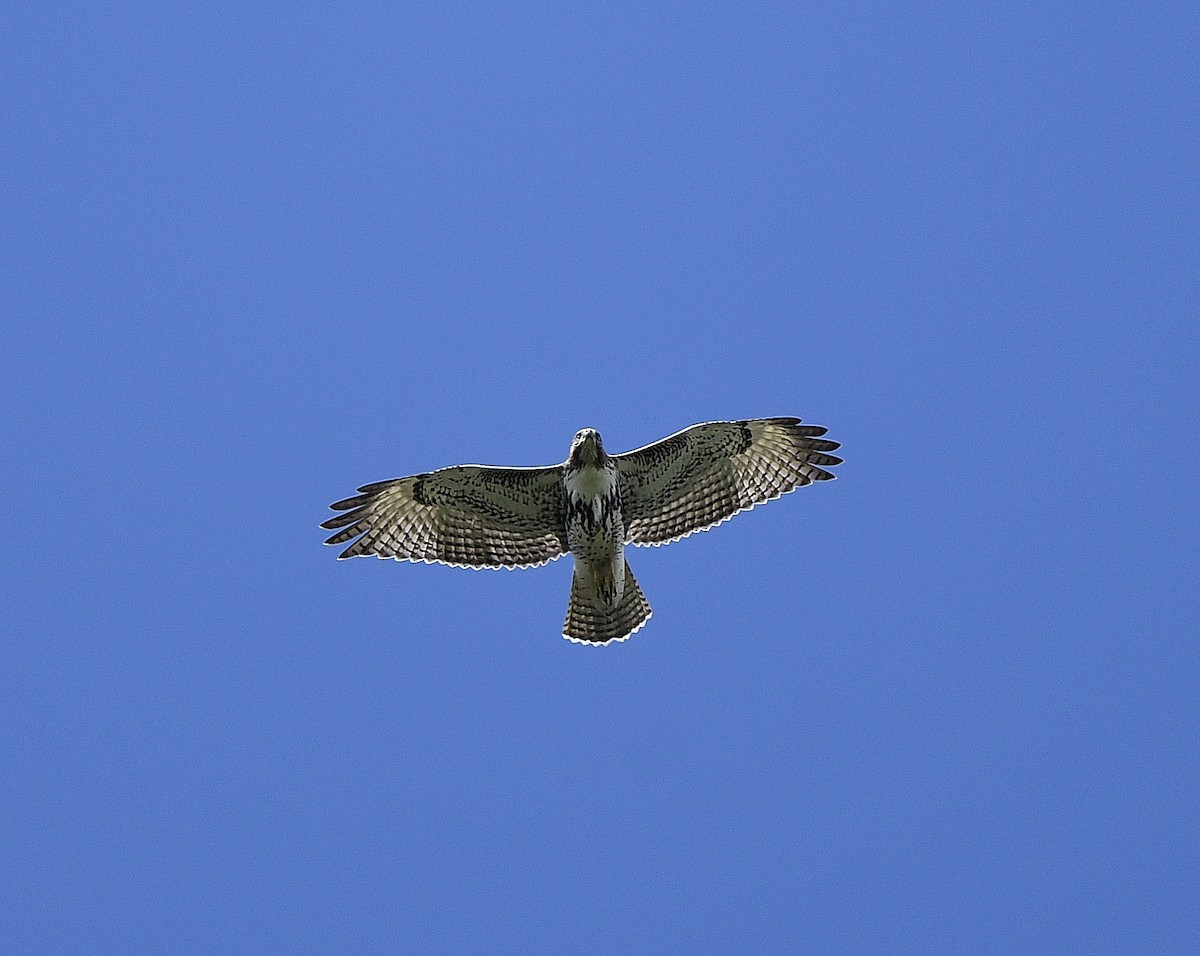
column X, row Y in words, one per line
column 702, row 475
column 474, row 516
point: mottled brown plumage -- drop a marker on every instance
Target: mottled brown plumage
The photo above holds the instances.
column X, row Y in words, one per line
column 592, row 505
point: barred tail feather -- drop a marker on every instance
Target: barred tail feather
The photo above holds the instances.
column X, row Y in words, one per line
column 590, row 623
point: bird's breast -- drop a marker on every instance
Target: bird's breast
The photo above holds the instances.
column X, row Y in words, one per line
column 593, row 509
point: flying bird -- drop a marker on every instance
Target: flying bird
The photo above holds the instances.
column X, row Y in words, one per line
column 591, row 505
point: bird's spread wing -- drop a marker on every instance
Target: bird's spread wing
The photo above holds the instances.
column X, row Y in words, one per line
column 702, row 475
column 472, row 516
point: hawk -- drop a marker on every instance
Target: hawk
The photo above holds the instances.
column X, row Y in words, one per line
column 592, row 505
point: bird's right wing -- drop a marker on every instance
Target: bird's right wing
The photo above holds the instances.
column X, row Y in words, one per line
column 474, row 516
column 702, row 475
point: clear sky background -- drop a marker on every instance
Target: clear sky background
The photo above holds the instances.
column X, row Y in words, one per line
column 256, row 255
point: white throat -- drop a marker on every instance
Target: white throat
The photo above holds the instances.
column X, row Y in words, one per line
column 591, row 482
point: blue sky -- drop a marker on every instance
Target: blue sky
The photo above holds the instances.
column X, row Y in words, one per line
column 257, row 255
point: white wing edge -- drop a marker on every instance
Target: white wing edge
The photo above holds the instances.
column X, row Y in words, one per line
column 614, row 640
column 451, row 564
column 634, row 451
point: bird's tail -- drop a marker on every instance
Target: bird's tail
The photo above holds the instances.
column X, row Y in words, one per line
column 589, row 621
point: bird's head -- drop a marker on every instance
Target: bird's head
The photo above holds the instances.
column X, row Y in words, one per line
column 586, row 449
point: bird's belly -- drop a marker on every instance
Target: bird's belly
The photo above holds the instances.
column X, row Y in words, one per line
column 596, row 537
column 595, row 541
column 595, row 533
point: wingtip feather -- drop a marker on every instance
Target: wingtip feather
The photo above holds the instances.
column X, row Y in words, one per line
column 375, row 486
